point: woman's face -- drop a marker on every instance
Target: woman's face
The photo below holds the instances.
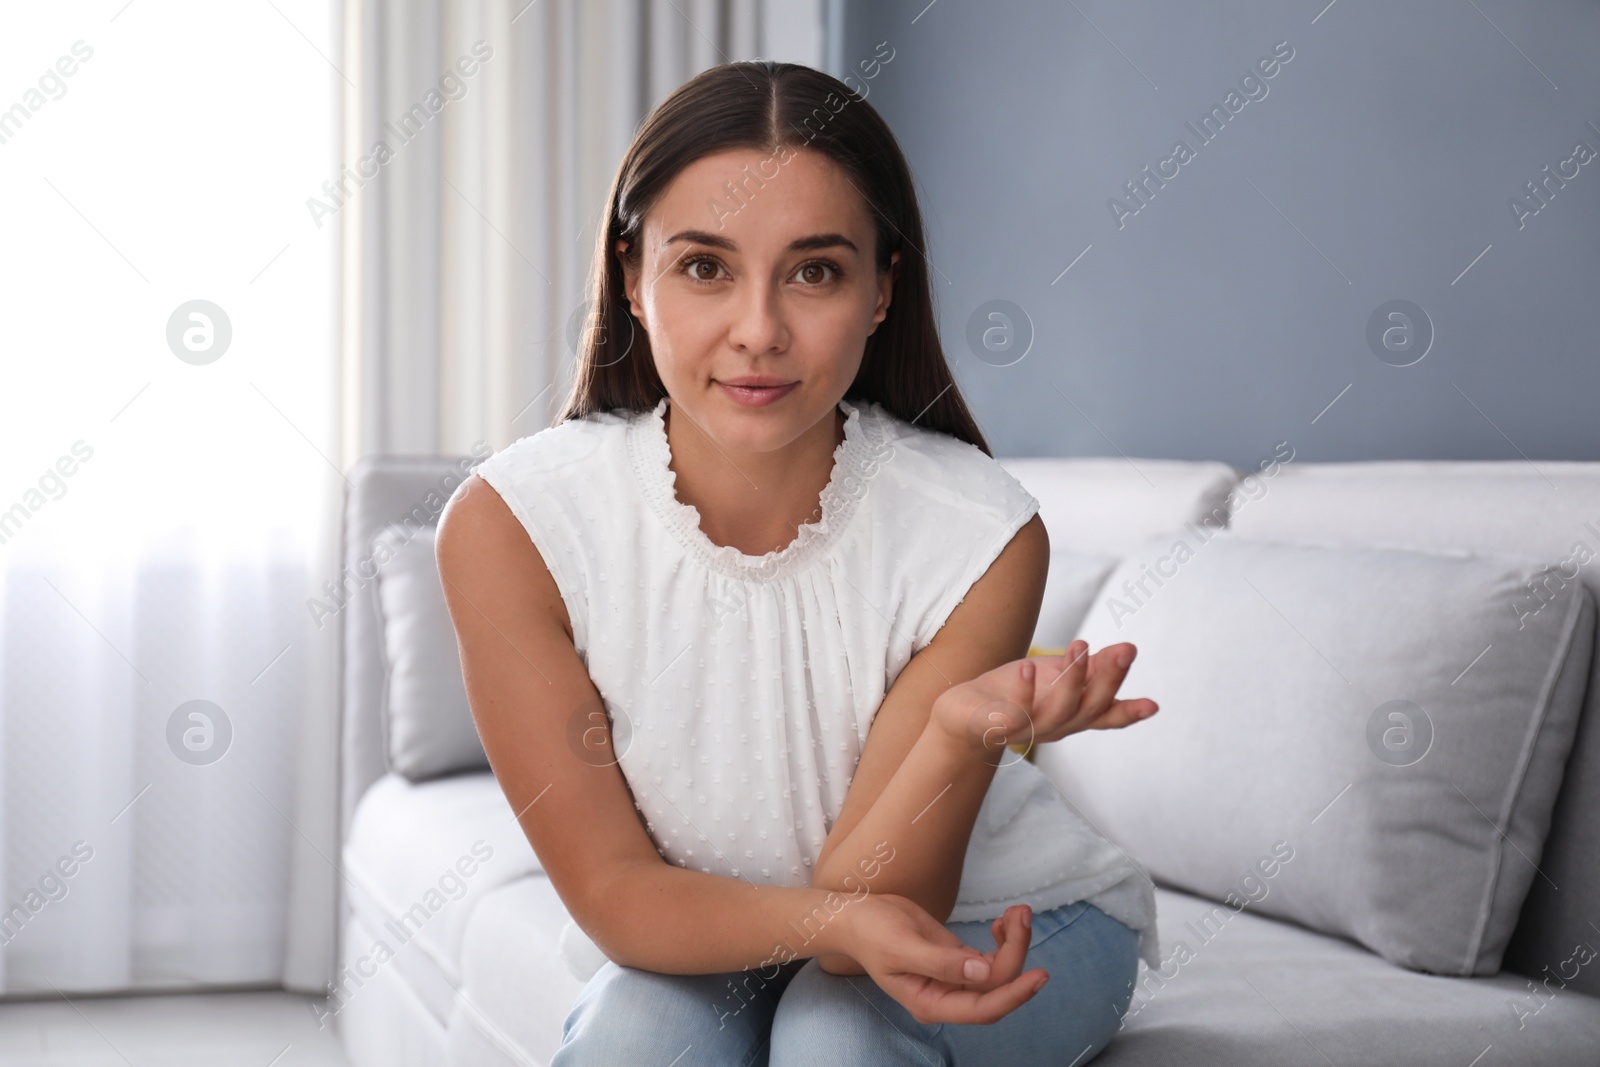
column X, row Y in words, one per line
column 779, row 290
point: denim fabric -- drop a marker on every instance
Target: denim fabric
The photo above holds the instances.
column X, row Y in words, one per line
column 804, row 1016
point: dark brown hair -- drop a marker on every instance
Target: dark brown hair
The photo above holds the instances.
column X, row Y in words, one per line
column 763, row 105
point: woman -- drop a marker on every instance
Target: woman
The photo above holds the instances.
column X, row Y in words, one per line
column 745, row 633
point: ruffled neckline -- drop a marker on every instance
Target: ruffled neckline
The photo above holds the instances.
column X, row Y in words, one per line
column 855, row 461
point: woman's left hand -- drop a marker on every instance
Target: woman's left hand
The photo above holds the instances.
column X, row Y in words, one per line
column 1011, row 932
column 1039, row 699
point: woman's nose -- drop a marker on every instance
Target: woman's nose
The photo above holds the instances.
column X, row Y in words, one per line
column 758, row 322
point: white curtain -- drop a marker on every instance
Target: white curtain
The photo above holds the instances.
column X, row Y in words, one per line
column 170, row 475
column 171, row 472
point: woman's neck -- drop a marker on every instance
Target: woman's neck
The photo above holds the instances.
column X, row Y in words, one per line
column 753, row 501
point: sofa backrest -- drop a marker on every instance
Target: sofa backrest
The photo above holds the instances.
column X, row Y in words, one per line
column 1102, row 506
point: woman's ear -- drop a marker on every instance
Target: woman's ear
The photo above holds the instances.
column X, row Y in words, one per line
column 630, row 279
column 885, row 292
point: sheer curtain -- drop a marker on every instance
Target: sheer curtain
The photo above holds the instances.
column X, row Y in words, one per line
column 218, row 293
column 169, row 483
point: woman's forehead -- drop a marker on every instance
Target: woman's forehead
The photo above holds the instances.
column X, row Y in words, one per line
column 758, row 201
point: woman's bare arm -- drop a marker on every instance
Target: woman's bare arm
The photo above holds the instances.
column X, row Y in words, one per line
column 544, row 730
column 912, row 787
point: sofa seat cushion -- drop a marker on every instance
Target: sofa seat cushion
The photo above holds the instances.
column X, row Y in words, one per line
column 516, row 991
column 420, row 857
column 1238, row 989
column 1235, row 988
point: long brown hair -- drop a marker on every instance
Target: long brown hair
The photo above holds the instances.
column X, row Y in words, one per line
column 761, row 105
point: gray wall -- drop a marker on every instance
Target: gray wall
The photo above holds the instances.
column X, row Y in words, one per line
column 1232, row 309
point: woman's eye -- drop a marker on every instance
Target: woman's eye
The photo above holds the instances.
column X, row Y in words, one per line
column 814, row 274
column 691, row 267
column 819, row 267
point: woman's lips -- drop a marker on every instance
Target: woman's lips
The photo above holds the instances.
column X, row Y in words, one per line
column 758, row 396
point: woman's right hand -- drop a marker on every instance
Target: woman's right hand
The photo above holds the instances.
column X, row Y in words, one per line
column 917, row 960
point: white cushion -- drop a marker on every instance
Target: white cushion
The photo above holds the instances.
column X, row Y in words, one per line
column 1549, row 509
column 1276, row 667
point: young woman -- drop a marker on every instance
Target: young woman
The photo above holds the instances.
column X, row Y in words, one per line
column 745, row 633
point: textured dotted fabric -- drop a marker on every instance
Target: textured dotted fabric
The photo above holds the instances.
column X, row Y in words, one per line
column 740, row 689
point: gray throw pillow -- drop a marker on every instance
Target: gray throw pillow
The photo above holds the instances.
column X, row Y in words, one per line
column 1366, row 741
column 430, row 730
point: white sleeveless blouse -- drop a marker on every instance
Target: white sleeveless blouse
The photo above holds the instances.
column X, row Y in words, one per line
column 740, row 689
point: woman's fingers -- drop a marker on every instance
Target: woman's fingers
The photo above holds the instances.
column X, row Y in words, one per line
column 1045, row 698
column 947, row 963
column 1060, row 697
column 1011, row 936
column 1074, row 666
column 1106, row 675
column 1023, row 687
column 1125, row 713
column 933, row 982
column 971, row 1006
column 1011, row 952
column 950, row 963
column 1077, row 691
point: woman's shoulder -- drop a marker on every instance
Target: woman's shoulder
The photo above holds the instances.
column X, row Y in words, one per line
column 569, row 449
column 923, row 466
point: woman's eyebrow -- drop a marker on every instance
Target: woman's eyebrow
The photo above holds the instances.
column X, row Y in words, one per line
column 799, row 244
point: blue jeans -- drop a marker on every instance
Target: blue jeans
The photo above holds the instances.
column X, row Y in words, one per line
column 805, row 1016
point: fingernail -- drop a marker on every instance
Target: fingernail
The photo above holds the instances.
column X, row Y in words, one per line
column 1124, row 659
column 1040, row 983
column 975, row 970
column 1027, row 919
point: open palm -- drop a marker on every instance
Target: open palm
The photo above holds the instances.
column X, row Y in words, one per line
column 1042, row 698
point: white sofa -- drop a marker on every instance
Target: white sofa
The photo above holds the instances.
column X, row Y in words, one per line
column 450, row 934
